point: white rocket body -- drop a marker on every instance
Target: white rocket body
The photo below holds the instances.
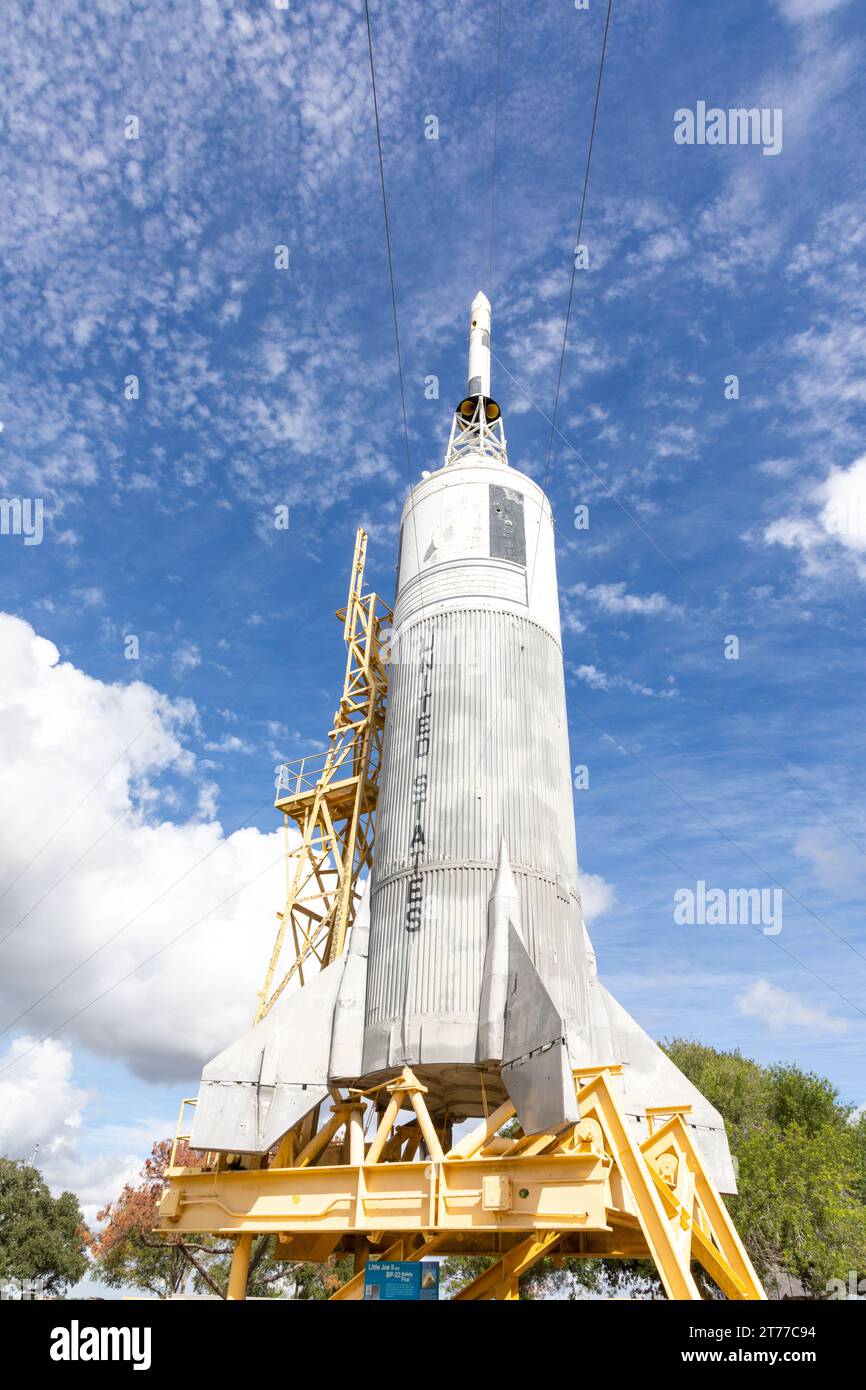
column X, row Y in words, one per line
column 477, row 971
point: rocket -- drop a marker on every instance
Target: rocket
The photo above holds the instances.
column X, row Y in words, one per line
column 468, row 959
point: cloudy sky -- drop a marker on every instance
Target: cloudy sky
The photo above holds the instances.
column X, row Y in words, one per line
column 153, row 160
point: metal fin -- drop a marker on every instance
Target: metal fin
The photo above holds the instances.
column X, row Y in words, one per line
column 536, row 1069
column 255, row 1090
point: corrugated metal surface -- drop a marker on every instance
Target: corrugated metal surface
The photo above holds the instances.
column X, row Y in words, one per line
column 476, row 747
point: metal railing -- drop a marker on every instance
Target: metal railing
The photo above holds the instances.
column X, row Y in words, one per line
column 304, row 774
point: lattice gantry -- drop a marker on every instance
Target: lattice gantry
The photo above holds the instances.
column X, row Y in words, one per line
column 331, row 798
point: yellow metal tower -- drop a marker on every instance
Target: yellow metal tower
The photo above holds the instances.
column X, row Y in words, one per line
column 331, row 799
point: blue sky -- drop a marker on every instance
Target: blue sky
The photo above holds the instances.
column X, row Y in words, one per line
column 262, row 387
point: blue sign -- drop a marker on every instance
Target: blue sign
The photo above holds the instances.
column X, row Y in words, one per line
column 404, row 1279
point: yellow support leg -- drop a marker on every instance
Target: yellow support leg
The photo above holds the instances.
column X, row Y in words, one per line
column 720, row 1250
column 667, row 1254
column 240, row 1268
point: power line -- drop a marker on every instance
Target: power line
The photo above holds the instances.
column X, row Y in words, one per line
column 255, row 672
column 495, row 133
column 577, row 242
column 193, row 867
column 553, row 429
column 76, row 809
column 531, row 573
column 252, row 674
column 671, row 788
column 597, row 476
column 393, row 299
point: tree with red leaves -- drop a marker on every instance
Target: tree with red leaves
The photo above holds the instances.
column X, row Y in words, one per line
column 129, row 1252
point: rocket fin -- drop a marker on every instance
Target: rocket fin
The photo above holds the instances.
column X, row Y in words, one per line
column 503, row 907
column 536, row 1068
column 262, row 1084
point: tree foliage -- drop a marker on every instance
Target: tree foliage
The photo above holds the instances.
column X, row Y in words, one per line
column 127, row 1251
column 41, row 1237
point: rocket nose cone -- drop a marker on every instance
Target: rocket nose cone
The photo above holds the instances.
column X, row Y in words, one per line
column 481, row 301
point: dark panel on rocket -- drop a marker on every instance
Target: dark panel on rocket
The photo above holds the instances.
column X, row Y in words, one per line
column 507, row 531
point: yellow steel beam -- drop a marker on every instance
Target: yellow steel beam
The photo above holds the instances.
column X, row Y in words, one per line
column 473, row 1142
column 239, row 1268
column 497, row 1282
column 558, row 1191
column 335, row 811
column 588, row 1187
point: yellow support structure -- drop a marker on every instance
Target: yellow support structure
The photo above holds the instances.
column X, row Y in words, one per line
column 588, row 1191
column 331, row 799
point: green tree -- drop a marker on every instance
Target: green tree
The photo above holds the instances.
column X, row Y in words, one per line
column 41, row 1237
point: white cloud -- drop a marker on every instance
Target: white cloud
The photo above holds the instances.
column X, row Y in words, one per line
column 676, row 441
column 230, row 743
column 43, row 1117
column 59, row 731
column 835, row 524
column 782, row 1010
column 663, row 245
column 597, row 896
column 595, row 679
column 91, row 597
column 806, row 11
column 613, row 598
column 843, row 514
column 601, row 680
column 837, row 864
column 185, row 659
column 39, row 1105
